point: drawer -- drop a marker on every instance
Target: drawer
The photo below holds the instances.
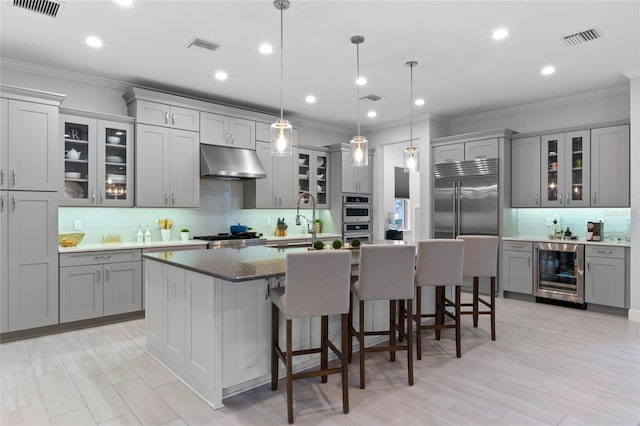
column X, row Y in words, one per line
column 604, row 251
column 517, row 245
column 99, row 257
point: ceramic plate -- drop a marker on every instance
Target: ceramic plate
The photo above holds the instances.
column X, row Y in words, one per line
column 73, row 190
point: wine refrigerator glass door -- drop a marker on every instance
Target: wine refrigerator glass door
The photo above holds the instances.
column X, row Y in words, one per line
column 559, row 271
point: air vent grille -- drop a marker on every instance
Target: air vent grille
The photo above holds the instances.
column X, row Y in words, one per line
column 203, row 44
column 581, row 37
column 371, row 98
column 44, row 7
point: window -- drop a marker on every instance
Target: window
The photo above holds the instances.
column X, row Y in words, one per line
column 401, row 211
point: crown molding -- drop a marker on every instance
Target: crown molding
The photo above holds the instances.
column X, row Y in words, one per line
column 31, row 95
column 404, row 121
column 632, row 74
column 534, row 106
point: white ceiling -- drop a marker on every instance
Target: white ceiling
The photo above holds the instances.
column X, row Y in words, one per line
column 460, row 71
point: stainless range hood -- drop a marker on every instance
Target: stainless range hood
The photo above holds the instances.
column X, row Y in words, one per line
column 222, row 162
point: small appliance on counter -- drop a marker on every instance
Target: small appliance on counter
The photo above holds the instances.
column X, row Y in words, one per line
column 595, row 231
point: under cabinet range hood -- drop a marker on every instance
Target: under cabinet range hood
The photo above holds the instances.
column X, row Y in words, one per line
column 222, row 162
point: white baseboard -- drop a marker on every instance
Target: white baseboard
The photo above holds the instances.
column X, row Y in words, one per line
column 634, row 315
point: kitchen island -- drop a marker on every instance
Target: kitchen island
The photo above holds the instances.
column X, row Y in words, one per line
column 208, row 317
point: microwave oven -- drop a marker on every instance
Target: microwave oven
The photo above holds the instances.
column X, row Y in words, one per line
column 356, row 213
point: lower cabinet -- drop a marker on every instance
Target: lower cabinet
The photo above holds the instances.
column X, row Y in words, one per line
column 605, row 276
column 95, row 284
column 517, row 267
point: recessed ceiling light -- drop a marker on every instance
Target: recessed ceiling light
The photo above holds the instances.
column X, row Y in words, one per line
column 94, row 41
column 500, row 33
column 548, row 70
column 371, row 114
column 125, row 3
column 310, row 99
column 419, row 102
column 361, row 81
column 221, row 75
column 265, row 49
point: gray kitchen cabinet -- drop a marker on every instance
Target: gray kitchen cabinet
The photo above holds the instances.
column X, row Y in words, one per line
column 461, row 151
column 610, row 153
column 29, row 259
column 346, row 178
column 175, row 331
column 102, row 175
column 4, row 196
column 525, row 172
column 167, row 167
column 29, row 158
column 278, row 189
column 565, row 169
column 517, row 267
column 95, row 284
column 448, row 153
column 154, row 301
column 160, row 114
column 313, row 175
column 605, row 276
column 216, row 129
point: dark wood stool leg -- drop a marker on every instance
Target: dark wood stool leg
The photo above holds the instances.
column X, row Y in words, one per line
column 458, row 348
column 349, row 350
column 275, row 337
column 476, row 292
column 410, row 341
column 418, row 321
column 324, row 354
column 289, row 375
column 392, row 329
column 493, row 308
column 345, row 366
column 361, row 340
column 440, row 307
column 401, row 311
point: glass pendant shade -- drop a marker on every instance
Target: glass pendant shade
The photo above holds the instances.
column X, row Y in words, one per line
column 411, row 160
column 359, row 151
column 281, row 138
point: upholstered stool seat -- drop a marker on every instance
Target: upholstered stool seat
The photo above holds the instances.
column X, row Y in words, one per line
column 385, row 273
column 316, row 284
column 481, row 260
column 439, row 264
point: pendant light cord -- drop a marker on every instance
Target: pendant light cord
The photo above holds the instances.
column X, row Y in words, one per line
column 411, row 115
column 358, row 85
column 281, row 59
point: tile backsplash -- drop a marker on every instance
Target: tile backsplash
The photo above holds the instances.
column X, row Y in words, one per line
column 220, row 207
column 617, row 221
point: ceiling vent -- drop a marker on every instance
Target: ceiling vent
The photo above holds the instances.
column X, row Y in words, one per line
column 203, row 44
column 581, row 37
column 371, row 98
column 44, row 7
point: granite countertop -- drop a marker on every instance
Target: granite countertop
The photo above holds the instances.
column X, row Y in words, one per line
column 578, row 241
column 130, row 245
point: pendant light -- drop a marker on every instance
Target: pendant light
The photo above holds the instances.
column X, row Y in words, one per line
column 281, row 130
column 411, row 154
column 359, row 144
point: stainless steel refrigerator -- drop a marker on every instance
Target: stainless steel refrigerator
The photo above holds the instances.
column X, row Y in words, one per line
column 465, row 198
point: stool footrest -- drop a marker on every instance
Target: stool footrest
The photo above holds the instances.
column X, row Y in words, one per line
column 475, row 313
column 316, row 373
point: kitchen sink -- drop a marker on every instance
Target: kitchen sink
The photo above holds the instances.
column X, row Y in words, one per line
column 290, row 245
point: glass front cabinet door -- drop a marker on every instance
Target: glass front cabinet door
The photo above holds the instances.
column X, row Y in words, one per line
column 566, row 169
column 313, row 176
column 98, row 162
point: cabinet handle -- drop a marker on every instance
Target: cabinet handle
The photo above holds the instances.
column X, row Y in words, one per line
column 98, row 275
column 106, row 257
column 173, row 199
column 101, row 197
column 594, row 197
column 13, row 203
column 517, row 245
column 1, row 177
column 588, row 265
column 13, row 176
column 226, row 137
column 266, row 296
column 166, row 117
column 233, row 138
column 567, row 197
column 173, row 118
column 481, row 156
column 537, row 199
column 93, row 197
column 604, row 251
column 106, row 274
column 529, row 260
column 1, row 203
column 166, row 198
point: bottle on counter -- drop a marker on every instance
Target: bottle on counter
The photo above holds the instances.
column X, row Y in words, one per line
column 147, row 235
column 567, row 233
column 140, row 236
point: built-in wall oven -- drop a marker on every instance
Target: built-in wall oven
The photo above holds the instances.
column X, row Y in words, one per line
column 357, row 218
column 558, row 271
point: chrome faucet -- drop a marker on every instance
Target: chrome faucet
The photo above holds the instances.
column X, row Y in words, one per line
column 311, row 227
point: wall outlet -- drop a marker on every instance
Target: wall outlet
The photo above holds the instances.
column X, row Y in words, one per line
column 268, row 221
column 549, row 221
column 77, row 225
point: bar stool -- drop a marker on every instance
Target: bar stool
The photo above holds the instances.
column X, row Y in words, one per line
column 439, row 264
column 385, row 273
column 481, row 260
column 316, row 284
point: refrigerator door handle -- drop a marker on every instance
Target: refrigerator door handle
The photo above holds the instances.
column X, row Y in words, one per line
column 453, row 208
column 457, row 216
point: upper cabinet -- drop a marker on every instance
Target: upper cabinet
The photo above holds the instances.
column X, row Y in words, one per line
column 565, row 169
column 159, row 114
column 525, row 180
column 98, row 160
column 277, row 190
column 313, row 175
column 216, row 129
column 472, row 150
column 29, row 146
column 345, row 177
column 610, row 153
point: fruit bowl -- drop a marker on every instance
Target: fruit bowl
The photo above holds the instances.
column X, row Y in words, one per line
column 70, row 240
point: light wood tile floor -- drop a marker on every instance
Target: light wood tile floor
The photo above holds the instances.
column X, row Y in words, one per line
column 550, row 366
